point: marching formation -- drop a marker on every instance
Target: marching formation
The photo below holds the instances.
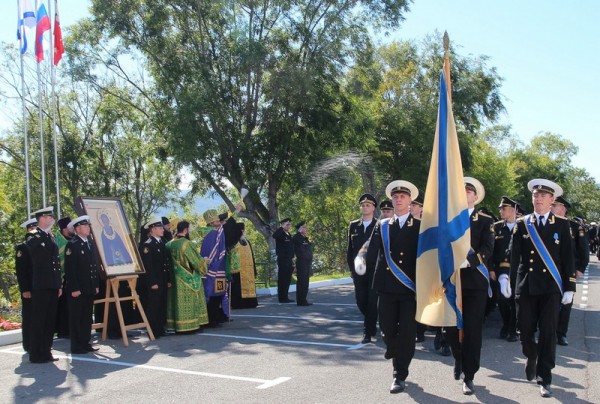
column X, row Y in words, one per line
column 528, row 263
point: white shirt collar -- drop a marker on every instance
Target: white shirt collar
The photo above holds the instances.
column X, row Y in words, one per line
column 471, row 211
column 401, row 219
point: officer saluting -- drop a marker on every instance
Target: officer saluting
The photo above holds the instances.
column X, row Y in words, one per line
column 81, row 275
column 45, row 286
column 542, row 256
column 393, row 254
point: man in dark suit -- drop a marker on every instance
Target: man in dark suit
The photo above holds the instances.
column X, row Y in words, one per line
column 46, row 286
column 581, row 248
column 475, row 283
column 152, row 286
column 303, row 249
column 24, row 270
column 81, row 275
column 284, row 248
column 501, row 264
column 392, row 256
column 359, row 232
column 542, row 257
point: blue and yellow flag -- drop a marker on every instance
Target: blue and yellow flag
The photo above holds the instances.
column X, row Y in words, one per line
column 444, row 239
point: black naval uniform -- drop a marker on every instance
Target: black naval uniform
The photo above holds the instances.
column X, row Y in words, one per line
column 81, row 274
column 537, row 294
column 501, row 260
column 366, row 297
column 304, row 255
column 157, row 264
column 24, row 270
column 474, row 299
column 397, row 303
column 284, row 247
column 45, row 286
column 581, row 248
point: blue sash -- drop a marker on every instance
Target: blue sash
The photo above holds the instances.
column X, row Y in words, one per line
column 484, row 271
column 543, row 252
column 401, row 276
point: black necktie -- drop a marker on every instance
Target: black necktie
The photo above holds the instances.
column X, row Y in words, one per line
column 541, row 221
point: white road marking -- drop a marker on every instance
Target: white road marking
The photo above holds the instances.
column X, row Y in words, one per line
column 282, row 341
column 316, row 319
column 263, row 383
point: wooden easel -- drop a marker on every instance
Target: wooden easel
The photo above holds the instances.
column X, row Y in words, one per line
column 112, row 288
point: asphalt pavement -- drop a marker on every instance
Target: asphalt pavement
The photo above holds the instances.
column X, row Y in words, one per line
column 282, row 353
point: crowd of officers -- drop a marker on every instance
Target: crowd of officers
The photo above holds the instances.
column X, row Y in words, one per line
column 58, row 274
column 526, row 264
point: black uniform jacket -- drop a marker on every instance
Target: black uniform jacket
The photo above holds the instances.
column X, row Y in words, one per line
column 45, row 261
column 284, row 247
column 81, row 270
column 23, row 267
column 581, row 245
column 533, row 277
column 357, row 236
column 501, row 256
column 302, row 248
column 403, row 251
column 482, row 242
column 157, row 263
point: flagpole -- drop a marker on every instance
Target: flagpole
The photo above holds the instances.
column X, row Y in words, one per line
column 40, row 112
column 25, row 137
column 52, row 97
column 447, row 64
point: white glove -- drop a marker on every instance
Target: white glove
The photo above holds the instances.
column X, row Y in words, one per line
column 567, row 297
column 505, row 286
column 465, row 264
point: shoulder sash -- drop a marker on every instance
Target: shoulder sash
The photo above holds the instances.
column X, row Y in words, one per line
column 543, row 252
column 398, row 273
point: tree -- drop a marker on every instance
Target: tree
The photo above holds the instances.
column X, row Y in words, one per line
column 248, row 92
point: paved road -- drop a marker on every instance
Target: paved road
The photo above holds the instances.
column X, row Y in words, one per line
column 283, row 353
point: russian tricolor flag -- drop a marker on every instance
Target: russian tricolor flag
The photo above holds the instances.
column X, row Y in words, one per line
column 43, row 25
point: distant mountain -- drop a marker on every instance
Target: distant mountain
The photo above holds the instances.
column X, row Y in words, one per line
column 201, row 204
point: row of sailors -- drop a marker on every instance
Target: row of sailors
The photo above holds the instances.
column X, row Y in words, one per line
column 534, row 259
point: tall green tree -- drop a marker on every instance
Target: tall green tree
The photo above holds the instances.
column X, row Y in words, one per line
column 248, row 91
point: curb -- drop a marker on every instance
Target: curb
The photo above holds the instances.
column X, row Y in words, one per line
column 272, row 291
column 10, row 337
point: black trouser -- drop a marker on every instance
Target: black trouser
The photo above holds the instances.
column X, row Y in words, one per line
column 398, row 329
column 302, row 275
column 43, row 306
column 508, row 311
column 468, row 353
column 564, row 315
column 214, row 310
column 80, row 321
column 366, row 300
column 154, row 302
column 62, row 316
column 284, row 277
column 539, row 312
column 26, row 313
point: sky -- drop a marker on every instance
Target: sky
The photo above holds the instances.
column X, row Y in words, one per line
column 546, row 51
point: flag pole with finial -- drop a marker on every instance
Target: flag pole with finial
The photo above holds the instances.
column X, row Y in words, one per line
column 447, row 63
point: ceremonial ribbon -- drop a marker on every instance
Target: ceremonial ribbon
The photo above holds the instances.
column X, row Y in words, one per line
column 484, row 271
column 543, row 252
column 398, row 273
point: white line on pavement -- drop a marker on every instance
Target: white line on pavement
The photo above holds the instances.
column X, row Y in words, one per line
column 315, row 319
column 264, row 384
column 282, row 341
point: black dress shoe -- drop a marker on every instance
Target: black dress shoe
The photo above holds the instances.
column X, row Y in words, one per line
column 397, row 386
column 446, row 351
column 366, row 339
column 468, row 387
column 90, row 348
column 503, row 333
column 545, row 390
column 286, row 301
column 512, row 338
column 530, row 369
column 562, row 341
column 305, row 304
column 457, row 370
